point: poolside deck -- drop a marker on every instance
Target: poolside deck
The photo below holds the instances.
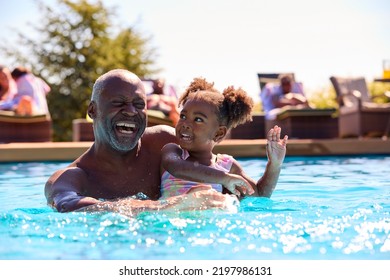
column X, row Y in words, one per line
column 68, row 151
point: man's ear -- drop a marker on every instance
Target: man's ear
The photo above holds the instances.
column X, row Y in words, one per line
column 91, row 111
column 220, row 134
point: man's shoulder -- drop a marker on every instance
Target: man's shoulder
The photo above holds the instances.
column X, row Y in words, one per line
column 70, row 177
column 158, row 130
column 159, row 134
column 79, row 166
column 70, row 170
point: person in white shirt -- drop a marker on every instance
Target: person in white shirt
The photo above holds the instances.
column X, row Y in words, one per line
column 8, row 89
column 30, row 89
column 287, row 93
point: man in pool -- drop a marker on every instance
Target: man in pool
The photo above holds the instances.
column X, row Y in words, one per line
column 124, row 161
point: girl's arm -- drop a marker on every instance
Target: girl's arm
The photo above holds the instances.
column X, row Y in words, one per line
column 276, row 152
column 174, row 164
column 266, row 184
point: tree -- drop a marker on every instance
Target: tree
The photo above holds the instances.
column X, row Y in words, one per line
column 76, row 46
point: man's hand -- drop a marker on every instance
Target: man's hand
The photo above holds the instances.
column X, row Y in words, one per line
column 200, row 197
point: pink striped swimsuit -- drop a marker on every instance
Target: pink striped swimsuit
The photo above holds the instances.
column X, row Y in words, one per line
column 172, row 186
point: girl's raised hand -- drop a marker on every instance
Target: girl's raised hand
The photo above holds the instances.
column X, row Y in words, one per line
column 276, row 147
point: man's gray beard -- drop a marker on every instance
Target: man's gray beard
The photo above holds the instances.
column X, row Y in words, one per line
column 122, row 146
column 125, row 145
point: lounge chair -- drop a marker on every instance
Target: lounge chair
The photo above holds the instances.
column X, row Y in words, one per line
column 300, row 123
column 16, row 128
column 265, row 78
column 359, row 116
column 83, row 131
column 306, row 123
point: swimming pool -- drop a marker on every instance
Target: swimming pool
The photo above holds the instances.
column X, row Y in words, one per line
column 323, row 208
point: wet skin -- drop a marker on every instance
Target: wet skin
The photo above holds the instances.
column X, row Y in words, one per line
column 120, row 163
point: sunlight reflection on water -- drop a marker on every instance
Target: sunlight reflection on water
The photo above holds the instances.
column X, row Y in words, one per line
column 323, row 208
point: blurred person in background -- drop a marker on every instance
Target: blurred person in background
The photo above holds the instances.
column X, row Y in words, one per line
column 287, row 93
column 163, row 98
column 31, row 92
column 8, row 89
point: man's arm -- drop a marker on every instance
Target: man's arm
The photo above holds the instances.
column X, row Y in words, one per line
column 63, row 193
column 63, row 190
column 201, row 197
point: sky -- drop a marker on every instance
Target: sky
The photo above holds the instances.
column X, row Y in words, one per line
column 230, row 41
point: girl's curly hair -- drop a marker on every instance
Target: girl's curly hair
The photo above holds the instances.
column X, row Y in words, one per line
column 233, row 106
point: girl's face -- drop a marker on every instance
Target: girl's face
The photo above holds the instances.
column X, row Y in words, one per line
column 198, row 128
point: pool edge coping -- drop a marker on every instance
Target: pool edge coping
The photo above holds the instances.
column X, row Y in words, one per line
column 68, row 151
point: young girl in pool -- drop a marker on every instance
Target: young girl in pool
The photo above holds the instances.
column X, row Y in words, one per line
column 205, row 119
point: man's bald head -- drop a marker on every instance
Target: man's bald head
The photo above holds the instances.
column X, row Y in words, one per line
column 116, row 74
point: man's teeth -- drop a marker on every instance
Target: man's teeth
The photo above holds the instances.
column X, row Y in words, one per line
column 125, row 127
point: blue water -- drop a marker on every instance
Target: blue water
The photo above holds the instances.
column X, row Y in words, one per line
column 323, row 208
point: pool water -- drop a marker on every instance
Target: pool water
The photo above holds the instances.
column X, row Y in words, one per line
column 323, row 208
